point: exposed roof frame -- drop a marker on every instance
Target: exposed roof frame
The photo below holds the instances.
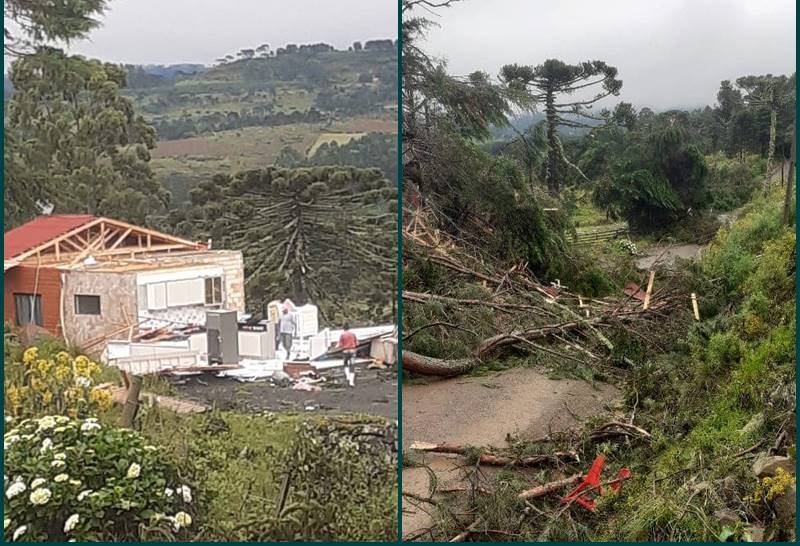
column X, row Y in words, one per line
column 83, row 242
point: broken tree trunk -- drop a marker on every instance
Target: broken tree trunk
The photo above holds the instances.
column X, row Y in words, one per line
column 131, row 402
column 497, row 460
column 499, row 341
column 427, row 365
column 547, row 488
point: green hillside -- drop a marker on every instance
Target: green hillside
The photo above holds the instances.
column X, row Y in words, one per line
column 293, row 109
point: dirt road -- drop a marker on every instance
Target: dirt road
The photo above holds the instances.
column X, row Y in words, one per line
column 481, row 411
column 665, row 255
column 375, row 393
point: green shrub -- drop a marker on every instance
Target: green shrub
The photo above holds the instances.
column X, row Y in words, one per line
column 77, row 479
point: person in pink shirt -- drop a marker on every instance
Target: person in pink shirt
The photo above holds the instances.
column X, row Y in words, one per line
column 348, row 343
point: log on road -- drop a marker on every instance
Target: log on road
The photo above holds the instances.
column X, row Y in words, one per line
column 415, row 362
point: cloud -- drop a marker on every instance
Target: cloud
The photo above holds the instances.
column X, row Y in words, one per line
column 669, row 53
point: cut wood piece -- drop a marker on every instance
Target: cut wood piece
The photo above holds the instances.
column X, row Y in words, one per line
column 131, row 402
column 649, row 290
column 694, row 307
column 618, row 428
column 414, row 362
column 497, row 460
column 547, row 488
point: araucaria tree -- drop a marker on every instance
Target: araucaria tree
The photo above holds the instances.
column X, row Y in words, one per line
column 326, row 235
column 549, row 83
column 771, row 93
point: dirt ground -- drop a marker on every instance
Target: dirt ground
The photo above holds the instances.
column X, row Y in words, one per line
column 481, row 411
column 665, row 255
column 375, row 393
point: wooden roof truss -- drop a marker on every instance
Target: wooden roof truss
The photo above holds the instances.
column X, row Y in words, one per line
column 102, row 238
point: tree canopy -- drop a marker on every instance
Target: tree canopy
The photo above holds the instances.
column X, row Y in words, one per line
column 73, row 142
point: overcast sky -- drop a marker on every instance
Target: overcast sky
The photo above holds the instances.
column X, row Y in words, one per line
column 199, row 31
column 668, row 52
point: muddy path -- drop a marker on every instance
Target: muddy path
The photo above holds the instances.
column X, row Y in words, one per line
column 481, row 411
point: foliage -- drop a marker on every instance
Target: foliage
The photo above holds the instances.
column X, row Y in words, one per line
column 731, row 182
column 37, row 383
column 721, row 390
column 42, row 22
column 75, row 143
column 658, row 180
column 77, row 479
column 342, row 481
column 324, row 234
column 240, row 461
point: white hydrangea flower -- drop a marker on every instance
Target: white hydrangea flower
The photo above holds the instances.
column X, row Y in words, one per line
column 37, row 482
column 168, row 492
column 71, row 522
column 47, row 445
column 186, row 493
column 8, row 418
column 59, row 429
column 58, row 463
column 150, row 448
column 15, row 489
column 47, row 422
column 40, row 496
column 60, row 456
column 182, row 519
column 83, row 494
column 61, row 478
column 134, row 470
column 6, row 523
column 76, row 483
column 9, row 440
column 61, row 419
column 19, row 532
column 89, row 426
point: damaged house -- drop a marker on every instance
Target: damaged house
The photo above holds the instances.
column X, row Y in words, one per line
column 88, row 279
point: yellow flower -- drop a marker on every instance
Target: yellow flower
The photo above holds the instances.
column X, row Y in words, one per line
column 94, row 369
column 44, row 366
column 13, row 396
column 47, row 397
column 101, row 397
column 37, row 384
column 62, row 358
column 30, row 354
column 62, row 372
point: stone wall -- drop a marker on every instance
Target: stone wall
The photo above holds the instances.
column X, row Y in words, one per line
column 117, row 293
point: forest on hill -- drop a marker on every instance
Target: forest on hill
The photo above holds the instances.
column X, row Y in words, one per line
column 647, row 254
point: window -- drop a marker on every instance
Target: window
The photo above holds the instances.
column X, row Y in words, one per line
column 87, row 305
column 29, row 309
column 213, row 290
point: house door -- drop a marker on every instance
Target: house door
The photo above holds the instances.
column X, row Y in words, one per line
column 28, row 309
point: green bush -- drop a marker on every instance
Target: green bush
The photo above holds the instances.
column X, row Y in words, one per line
column 76, row 479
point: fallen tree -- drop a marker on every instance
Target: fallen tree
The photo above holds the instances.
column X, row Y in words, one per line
column 497, row 460
column 426, row 365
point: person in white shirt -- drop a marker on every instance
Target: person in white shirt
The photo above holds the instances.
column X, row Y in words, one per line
column 287, row 326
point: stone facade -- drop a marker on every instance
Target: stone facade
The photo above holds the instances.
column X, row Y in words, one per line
column 117, row 292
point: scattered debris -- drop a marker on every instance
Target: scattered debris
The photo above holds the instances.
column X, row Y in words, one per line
column 591, row 483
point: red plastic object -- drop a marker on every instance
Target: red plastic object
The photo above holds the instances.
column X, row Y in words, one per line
column 592, row 482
